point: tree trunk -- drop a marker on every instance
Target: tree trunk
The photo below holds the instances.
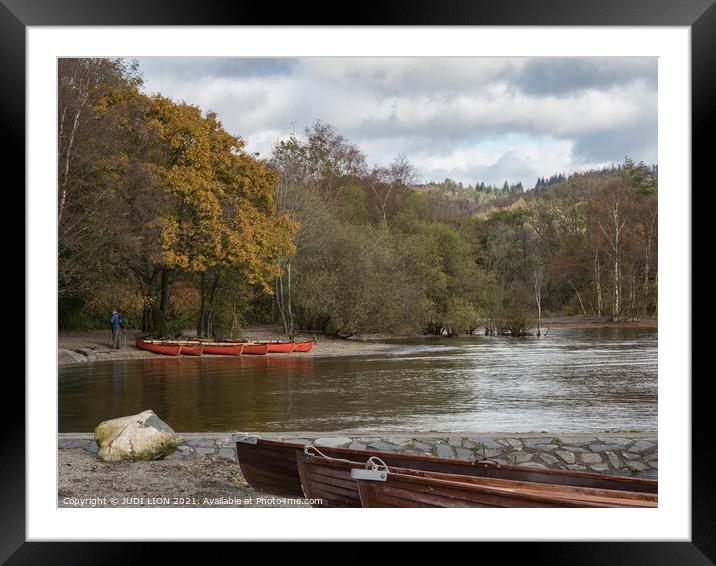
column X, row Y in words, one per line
column 538, row 298
column 204, row 326
column 579, row 297
column 617, row 290
column 209, row 326
column 632, row 298
column 161, row 302
column 83, row 95
column 280, row 303
column 66, row 167
column 290, row 311
column 149, row 282
column 617, row 266
column 202, row 306
column 647, row 256
column 616, row 244
column 598, row 283
column 147, row 315
column 233, row 313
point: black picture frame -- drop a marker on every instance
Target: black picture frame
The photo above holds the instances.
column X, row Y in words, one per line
column 699, row 15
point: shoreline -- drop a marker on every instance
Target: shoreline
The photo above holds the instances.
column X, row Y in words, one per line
column 595, row 322
column 204, row 471
column 95, row 345
column 70, row 439
column 73, row 345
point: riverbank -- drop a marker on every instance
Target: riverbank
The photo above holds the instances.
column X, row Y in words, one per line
column 596, row 322
column 204, row 471
column 96, row 345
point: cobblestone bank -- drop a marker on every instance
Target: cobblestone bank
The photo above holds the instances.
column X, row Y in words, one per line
column 620, row 454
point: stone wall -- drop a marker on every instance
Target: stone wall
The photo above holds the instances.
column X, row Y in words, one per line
column 620, row 454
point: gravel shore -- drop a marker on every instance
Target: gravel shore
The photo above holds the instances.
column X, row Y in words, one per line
column 198, row 481
column 204, row 471
column 99, row 343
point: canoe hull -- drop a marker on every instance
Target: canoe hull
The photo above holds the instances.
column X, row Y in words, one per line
column 302, row 346
column 223, row 349
column 264, row 452
column 165, row 349
column 255, row 349
column 280, row 348
column 192, row 350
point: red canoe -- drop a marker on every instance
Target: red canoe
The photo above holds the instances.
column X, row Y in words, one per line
column 223, row 349
column 280, row 347
column 192, row 349
column 255, row 349
column 302, row 346
column 158, row 347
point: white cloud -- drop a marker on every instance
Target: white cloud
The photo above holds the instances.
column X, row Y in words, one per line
column 455, row 117
column 493, row 163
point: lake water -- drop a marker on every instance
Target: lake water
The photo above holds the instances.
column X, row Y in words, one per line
column 574, row 380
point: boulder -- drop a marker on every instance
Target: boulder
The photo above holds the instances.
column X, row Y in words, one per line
column 64, row 355
column 136, row 437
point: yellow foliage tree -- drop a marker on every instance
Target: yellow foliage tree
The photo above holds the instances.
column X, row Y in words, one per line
column 217, row 202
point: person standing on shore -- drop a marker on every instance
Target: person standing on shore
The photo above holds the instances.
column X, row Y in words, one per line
column 117, row 328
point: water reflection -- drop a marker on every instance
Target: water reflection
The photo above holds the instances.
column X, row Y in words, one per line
column 573, row 380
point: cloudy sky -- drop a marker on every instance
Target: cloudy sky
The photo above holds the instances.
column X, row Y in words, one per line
column 470, row 119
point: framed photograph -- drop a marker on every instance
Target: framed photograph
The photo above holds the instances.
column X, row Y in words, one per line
column 417, row 256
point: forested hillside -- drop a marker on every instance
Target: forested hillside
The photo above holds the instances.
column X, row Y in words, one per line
column 162, row 213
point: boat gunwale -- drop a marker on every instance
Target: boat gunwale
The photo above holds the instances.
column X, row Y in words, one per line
column 651, row 485
column 445, row 479
column 311, row 465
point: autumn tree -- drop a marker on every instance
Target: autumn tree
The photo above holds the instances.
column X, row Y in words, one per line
column 162, row 212
column 388, row 184
column 92, row 95
column 188, row 199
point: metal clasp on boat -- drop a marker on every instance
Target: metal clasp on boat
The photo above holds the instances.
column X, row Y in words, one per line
column 372, row 470
column 374, row 475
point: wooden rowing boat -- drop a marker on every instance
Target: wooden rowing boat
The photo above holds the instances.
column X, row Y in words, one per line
column 158, row 347
column 221, row 349
column 334, row 482
column 255, row 349
column 410, row 488
column 270, row 466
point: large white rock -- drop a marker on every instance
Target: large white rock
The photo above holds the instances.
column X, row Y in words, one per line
column 136, row 437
